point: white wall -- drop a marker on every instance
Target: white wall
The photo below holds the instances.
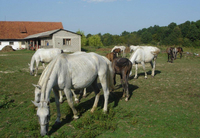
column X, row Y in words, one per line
column 17, row 45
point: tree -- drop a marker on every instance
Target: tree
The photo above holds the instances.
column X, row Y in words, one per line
column 146, row 37
column 94, row 40
column 83, row 38
column 172, row 26
column 107, row 39
column 193, row 33
column 185, row 28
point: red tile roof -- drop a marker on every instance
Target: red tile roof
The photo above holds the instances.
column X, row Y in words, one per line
column 20, row 30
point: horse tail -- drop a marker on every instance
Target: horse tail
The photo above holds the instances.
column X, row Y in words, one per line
column 156, row 51
column 181, row 49
column 109, row 74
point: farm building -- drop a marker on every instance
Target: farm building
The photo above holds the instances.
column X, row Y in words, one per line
column 60, row 38
column 33, row 35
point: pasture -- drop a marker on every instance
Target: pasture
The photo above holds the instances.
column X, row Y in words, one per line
column 167, row 105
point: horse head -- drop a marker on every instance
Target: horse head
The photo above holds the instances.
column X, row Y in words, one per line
column 31, row 69
column 43, row 113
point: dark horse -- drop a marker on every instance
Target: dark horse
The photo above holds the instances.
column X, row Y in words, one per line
column 122, row 67
column 180, row 51
column 170, row 53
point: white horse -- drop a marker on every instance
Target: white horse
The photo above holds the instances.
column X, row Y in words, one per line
column 42, row 78
column 123, row 48
column 144, row 54
column 72, row 71
column 43, row 56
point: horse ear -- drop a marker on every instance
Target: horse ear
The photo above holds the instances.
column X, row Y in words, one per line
column 36, row 104
column 37, row 86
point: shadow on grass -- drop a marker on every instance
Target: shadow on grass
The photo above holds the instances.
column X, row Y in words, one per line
column 142, row 74
column 87, row 105
column 118, row 95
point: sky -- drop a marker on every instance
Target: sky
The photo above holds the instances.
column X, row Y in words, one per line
column 102, row 16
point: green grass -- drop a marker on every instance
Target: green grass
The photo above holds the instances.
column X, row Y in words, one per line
column 167, row 105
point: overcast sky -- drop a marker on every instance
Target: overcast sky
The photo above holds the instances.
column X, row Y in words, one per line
column 102, row 16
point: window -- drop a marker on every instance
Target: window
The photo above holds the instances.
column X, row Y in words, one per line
column 11, row 43
column 67, row 42
column 23, row 42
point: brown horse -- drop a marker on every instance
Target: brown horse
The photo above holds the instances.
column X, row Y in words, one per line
column 111, row 56
column 180, row 51
column 117, row 51
column 122, row 67
column 169, row 51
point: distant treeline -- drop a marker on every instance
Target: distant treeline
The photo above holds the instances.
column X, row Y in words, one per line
column 186, row 34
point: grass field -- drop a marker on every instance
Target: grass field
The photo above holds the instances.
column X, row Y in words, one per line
column 167, row 105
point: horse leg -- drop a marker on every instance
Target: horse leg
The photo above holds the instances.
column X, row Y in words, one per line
column 68, row 94
column 126, row 87
column 136, row 68
column 143, row 65
column 61, row 97
column 180, row 55
column 56, row 93
column 36, row 68
column 104, row 84
column 172, row 58
column 97, row 95
column 84, row 92
column 43, row 64
column 114, row 77
column 75, row 96
column 153, row 66
column 122, row 82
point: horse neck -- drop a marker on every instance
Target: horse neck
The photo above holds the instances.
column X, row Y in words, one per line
column 47, row 82
column 32, row 62
column 133, row 57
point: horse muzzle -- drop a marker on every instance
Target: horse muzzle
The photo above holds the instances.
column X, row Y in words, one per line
column 44, row 130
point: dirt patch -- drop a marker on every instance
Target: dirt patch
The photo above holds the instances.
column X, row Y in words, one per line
column 7, row 49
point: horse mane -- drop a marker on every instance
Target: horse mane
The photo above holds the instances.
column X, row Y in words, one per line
column 48, row 72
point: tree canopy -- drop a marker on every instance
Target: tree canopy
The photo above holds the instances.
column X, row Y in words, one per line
column 186, row 34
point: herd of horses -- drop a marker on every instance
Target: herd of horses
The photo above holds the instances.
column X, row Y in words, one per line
column 64, row 71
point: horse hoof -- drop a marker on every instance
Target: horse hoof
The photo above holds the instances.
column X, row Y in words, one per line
column 75, row 117
column 126, row 99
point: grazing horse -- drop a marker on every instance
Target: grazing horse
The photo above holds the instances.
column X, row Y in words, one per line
column 123, row 48
column 170, row 53
column 145, row 54
column 180, row 51
column 40, row 82
column 111, row 56
column 43, row 56
column 122, row 67
column 75, row 71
